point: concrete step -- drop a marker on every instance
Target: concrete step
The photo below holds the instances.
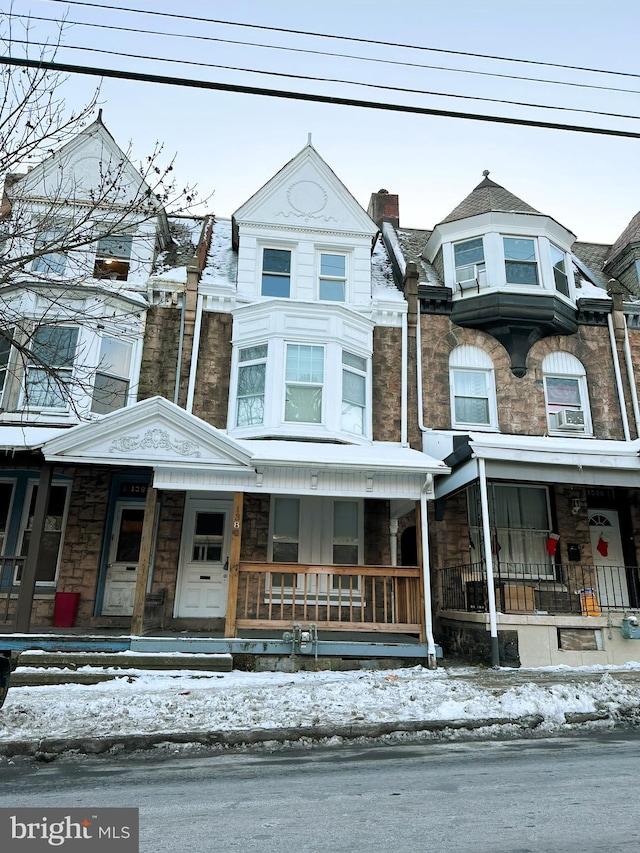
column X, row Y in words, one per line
column 220, row 662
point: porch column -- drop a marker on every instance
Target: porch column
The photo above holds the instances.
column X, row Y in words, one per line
column 422, row 543
column 488, row 558
column 234, row 565
column 393, row 540
column 144, row 562
column 29, row 570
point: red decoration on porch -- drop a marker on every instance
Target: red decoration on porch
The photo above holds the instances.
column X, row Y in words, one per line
column 552, row 544
column 602, row 547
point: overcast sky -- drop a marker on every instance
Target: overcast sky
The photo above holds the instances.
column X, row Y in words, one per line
column 230, row 144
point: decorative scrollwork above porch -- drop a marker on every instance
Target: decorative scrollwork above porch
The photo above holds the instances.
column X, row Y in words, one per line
column 154, row 439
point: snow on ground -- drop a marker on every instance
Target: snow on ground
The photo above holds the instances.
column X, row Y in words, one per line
column 140, row 702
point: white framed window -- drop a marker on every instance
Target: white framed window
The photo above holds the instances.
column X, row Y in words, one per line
column 113, row 257
column 49, row 262
column 49, row 373
column 333, row 277
column 561, row 278
column 304, row 379
column 315, row 530
column 52, row 536
column 111, row 382
column 354, row 393
column 519, row 522
column 470, row 269
column 566, row 396
column 520, row 260
column 276, row 272
column 252, row 369
column 472, row 386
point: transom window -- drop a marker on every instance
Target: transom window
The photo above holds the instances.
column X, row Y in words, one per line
column 304, row 377
column 354, row 392
column 113, row 257
column 559, row 270
column 49, row 374
column 251, row 385
column 520, row 260
column 469, row 263
column 276, row 272
column 111, row 383
column 333, row 277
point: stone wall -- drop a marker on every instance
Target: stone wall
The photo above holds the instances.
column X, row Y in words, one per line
column 386, row 383
column 214, row 367
column 160, row 353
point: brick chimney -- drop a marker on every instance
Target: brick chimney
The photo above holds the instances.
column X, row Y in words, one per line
column 384, row 207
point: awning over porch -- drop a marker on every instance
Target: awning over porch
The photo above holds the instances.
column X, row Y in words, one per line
column 543, row 459
column 187, row 454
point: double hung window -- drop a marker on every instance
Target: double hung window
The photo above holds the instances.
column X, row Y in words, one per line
column 559, row 270
column 50, row 370
column 113, row 257
column 473, row 402
column 111, row 383
column 276, row 273
column 48, row 260
column 520, row 260
column 333, row 277
column 251, row 385
column 354, row 392
column 304, row 378
column 469, row 263
column 565, row 387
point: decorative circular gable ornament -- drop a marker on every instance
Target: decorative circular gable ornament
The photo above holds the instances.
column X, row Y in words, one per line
column 307, row 198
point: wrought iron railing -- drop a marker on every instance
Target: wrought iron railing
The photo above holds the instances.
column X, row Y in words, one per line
column 540, row 588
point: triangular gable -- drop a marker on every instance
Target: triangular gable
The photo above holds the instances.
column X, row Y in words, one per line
column 80, row 166
column 306, row 194
column 152, row 432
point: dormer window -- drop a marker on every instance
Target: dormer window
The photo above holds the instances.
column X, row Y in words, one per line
column 469, row 263
column 276, row 273
column 113, row 257
column 521, row 264
column 559, row 270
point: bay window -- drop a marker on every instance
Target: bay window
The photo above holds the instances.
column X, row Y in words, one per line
column 559, row 270
column 520, row 260
column 304, row 377
column 251, row 385
column 354, row 392
column 111, row 383
column 469, row 263
column 50, row 371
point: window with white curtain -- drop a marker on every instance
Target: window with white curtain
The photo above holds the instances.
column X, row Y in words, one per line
column 472, row 384
column 519, row 524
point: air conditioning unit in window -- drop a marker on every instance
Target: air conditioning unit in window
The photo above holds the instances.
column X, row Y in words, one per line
column 470, row 277
column 571, row 419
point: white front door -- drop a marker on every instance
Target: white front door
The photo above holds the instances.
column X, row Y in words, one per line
column 203, row 576
column 608, row 558
column 124, row 552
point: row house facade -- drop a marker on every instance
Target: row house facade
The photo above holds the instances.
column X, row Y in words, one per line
column 307, row 421
column 227, row 451
column 527, row 354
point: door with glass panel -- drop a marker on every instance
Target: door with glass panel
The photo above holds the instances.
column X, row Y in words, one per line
column 124, row 553
column 203, row 575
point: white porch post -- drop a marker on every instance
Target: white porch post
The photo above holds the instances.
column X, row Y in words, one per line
column 426, row 574
column 488, row 558
column 393, row 540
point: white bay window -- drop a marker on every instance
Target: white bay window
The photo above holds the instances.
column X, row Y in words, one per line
column 50, row 371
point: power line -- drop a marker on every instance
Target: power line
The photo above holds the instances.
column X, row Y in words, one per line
column 333, row 55
column 314, row 79
column 348, row 38
column 301, row 96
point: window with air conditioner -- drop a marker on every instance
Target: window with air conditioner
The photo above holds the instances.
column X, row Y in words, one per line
column 566, row 397
column 470, row 270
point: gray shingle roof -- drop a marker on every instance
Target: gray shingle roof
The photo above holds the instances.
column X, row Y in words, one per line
column 631, row 234
column 594, row 256
column 489, row 197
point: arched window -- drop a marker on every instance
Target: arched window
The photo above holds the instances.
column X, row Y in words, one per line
column 472, row 384
column 566, row 397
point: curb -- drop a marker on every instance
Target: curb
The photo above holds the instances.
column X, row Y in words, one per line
column 47, row 749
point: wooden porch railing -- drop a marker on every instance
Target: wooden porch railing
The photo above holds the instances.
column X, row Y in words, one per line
column 339, row 598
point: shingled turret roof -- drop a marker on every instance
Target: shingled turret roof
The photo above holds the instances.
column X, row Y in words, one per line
column 489, row 197
column 631, row 234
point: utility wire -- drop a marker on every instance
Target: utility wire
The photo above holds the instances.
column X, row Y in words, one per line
column 309, row 78
column 347, row 38
column 333, row 55
column 300, row 96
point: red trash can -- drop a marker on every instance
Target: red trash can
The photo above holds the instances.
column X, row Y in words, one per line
column 65, row 609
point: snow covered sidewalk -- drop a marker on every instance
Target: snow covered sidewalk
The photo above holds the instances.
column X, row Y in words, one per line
column 141, row 709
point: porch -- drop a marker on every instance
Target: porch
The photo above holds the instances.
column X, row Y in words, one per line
column 540, row 588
